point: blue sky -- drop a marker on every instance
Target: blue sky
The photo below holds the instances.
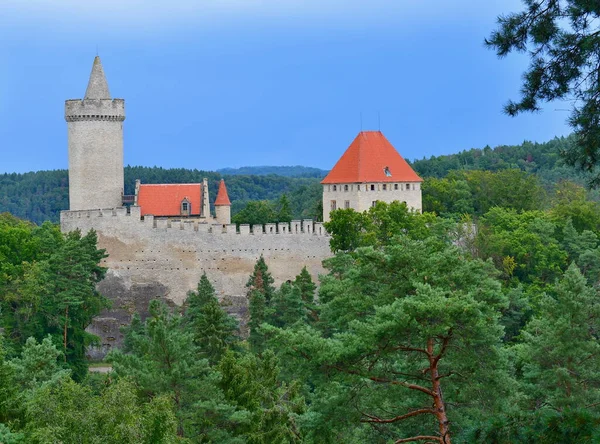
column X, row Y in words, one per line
column 228, row 83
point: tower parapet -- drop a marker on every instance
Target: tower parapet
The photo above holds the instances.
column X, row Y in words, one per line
column 95, row 134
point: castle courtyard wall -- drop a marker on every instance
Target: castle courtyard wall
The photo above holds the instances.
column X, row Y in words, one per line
column 160, row 258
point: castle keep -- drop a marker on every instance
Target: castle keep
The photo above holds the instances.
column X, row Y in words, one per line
column 161, row 243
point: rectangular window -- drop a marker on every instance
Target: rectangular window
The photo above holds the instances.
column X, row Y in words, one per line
column 384, row 187
column 395, row 186
column 333, row 205
column 374, row 203
column 372, row 187
column 345, row 187
column 407, row 187
column 184, row 206
column 347, row 204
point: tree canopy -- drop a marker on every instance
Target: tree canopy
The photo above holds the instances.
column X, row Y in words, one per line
column 562, row 41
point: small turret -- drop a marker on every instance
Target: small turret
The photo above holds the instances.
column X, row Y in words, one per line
column 223, row 205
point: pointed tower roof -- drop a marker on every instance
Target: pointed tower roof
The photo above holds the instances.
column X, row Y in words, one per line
column 222, row 197
column 371, row 158
column 97, row 86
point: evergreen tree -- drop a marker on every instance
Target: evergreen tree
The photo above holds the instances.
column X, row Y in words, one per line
column 251, row 382
column 164, row 361
column 409, row 343
column 306, row 286
column 260, row 294
column 213, row 329
column 261, row 279
column 559, row 357
column 288, row 307
column 561, row 38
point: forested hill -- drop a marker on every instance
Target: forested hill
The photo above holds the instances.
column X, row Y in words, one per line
column 40, row 196
column 287, row 171
column 542, row 159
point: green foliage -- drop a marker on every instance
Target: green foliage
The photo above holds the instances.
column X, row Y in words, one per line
column 260, row 293
column 68, row 412
column 286, row 171
column 306, row 286
column 559, row 356
column 570, row 202
column 251, row 383
column 284, row 212
column 49, row 287
column 561, row 38
column 528, row 238
column 213, row 330
column 40, row 196
column 350, row 229
column 287, row 306
column 164, row 361
column 540, row 427
column 255, row 213
column 476, row 192
column 395, row 322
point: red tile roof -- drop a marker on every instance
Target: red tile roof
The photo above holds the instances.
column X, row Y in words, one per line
column 165, row 199
column 222, row 197
column 366, row 160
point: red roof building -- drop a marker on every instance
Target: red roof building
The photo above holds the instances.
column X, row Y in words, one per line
column 369, row 171
column 371, row 158
column 170, row 199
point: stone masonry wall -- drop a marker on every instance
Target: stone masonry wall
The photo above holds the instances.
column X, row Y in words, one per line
column 95, row 135
column 159, row 258
column 361, row 196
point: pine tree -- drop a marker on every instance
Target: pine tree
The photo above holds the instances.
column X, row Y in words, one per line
column 252, row 383
column 164, row 361
column 288, row 307
column 306, row 286
column 560, row 354
column 213, row 329
column 261, row 280
column 260, row 295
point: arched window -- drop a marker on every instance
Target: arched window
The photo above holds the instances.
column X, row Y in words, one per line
column 186, row 207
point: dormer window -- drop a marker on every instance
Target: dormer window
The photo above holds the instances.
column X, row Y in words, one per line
column 387, row 172
column 186, row 207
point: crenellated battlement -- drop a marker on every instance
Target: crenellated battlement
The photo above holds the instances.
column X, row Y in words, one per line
column 94, row 109
column 83, row 219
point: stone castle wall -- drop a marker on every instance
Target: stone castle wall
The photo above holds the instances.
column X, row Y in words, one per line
column 158, row 258
column 361, row 197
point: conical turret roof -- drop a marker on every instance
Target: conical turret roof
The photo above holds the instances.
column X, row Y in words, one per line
column 222, row 197
column 97, row 86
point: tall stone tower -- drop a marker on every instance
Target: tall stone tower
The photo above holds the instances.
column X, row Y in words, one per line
column 95, row 127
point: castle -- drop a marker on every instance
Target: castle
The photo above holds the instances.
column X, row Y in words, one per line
column 161, row 242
